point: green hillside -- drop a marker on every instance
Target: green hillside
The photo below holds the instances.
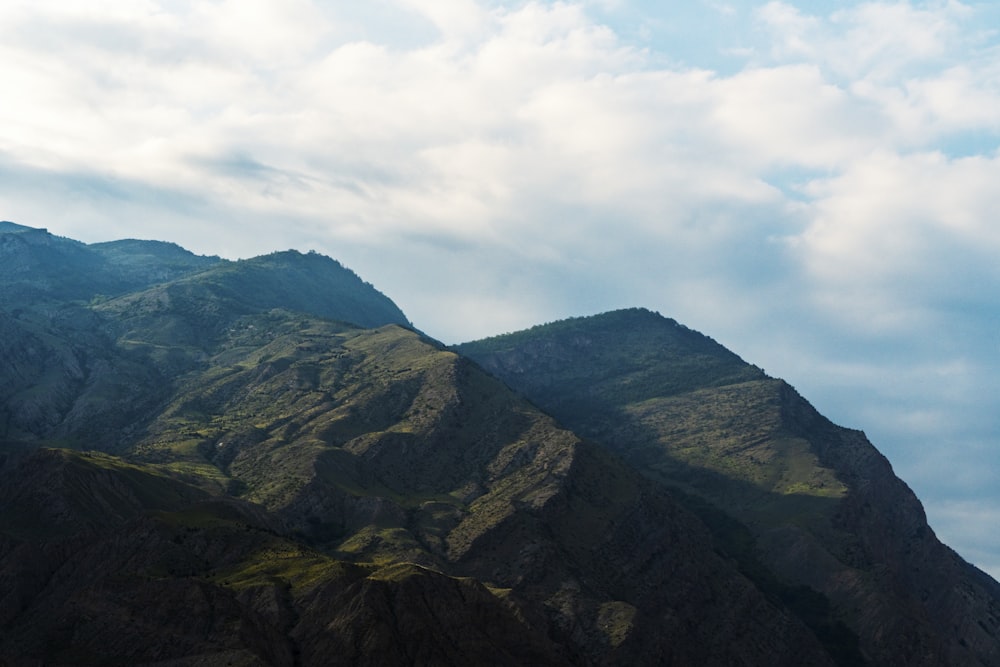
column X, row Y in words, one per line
column 789, row 495
column 261, row 462
column 384, row 467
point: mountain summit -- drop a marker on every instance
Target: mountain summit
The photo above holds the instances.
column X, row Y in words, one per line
column 262, row 463
column 806, row 506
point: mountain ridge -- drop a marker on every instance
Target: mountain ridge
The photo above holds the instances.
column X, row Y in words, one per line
column 754, row 448
column 290, row 474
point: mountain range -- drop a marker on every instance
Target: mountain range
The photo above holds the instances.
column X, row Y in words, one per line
column 264, row 462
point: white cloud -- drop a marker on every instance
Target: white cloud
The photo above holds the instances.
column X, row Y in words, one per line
column 884, row 39
column 870, row 40
column 455, row 19
column 927, row 68
column 793, row 34
column 264, row 34
column 895, row 238
column 958, row 98
column 791, row 115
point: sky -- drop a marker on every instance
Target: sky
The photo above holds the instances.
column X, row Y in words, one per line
column 813, row 184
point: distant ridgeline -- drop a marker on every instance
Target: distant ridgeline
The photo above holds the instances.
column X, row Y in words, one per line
column 262, row 462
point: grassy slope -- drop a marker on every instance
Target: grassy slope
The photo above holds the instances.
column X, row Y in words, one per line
column 669, row 399
column 381, row 448
column 378, row 447
column 86, row 362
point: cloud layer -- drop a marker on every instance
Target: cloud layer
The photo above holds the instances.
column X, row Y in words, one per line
column 813, row 187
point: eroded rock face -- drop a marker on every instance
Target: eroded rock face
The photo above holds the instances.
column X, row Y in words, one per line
column 405, row 614
column 816, row 507
column 525, row 508
column 175, row 575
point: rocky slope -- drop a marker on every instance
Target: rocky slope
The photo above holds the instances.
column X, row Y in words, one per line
column 111, row 563
column 91, row 343
column 379, row 449
column 289, row 474
column 821, row 506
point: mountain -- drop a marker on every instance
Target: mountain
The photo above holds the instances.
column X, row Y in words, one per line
column 261, row 462
column 139, row 263
column 806, row 503
column 379, row 452
column 92, row 342
column 39, row 269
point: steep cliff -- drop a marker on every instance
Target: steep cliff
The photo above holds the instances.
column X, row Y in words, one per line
column 816, row 507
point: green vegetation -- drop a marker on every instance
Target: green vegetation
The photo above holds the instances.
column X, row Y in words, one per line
column 284, row 564
column 289, row 472
column 310, row 283
column 615, row 359
column 381, row 546
column 616, row 620
column 674, row 403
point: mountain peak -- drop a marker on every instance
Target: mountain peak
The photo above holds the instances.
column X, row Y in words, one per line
column 8, row 227
column 621, row 354
column 310, row 283
column 783, row 488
